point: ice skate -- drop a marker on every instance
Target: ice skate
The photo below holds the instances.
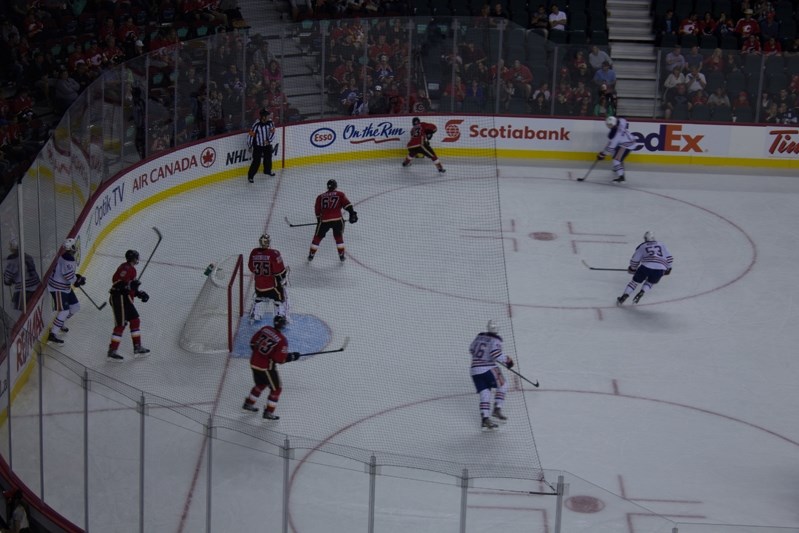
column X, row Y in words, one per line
column 406, row 163
column 64, row 329
column 114, row 356
column 250, row 180
column 249, row 407
column 620, row 179
column 498, row 414
column 270, row 416
column 489, row 424
column 342, row 257
column 52, row 339
column 442, row 169
column 310, row 257
column 141, row 351
column 638, row 297
column 621, row 299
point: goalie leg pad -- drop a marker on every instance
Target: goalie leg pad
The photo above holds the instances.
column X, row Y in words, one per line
column 282, row 308
column 259, row 308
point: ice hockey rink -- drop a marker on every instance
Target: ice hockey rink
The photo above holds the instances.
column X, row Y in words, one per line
column 684, row 404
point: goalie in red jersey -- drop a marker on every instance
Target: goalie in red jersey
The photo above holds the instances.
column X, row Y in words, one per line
column 271, row 277
column 419, row 145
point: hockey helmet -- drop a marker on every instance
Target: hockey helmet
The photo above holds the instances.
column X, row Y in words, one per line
column 70, row 245
column 611, row 121
column 279, row 322
column 13, row 245
column 264, row 240
column 132, row 256
column 415, row 121
column 332, row 185
column 649, row 236
column 491, row 327
column 265, row 113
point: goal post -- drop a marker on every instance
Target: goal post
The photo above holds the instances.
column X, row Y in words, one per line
column 211, row 324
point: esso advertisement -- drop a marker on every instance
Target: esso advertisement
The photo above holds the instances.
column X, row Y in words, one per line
column 323, row 137
column 679, row 138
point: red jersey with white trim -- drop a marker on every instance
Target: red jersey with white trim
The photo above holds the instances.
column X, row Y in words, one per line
column 269, row 346
column 329, row 205
column 120, row 282
column 266, row 264
column 420, row 134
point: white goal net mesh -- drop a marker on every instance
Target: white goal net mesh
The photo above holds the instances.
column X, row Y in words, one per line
column 210, row 325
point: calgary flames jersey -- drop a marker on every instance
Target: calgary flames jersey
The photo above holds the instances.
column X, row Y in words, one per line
column 266, row 264
column 329, row 205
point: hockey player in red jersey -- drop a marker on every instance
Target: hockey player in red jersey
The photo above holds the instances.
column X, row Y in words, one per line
column 270, row 276
column 328, row 208
column 419, row 145
column 269, row 349
column 124, row 288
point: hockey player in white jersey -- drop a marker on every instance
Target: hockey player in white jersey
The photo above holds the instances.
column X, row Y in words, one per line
column 486, row 350
column 650, row 261
column 65, row 303
column 620, row 143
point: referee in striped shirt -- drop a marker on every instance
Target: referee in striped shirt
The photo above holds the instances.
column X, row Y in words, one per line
column 260, row 141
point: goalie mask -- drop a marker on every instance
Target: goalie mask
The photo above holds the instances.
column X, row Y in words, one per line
column 332, row 185
column 132, row 256
column 70, row 245
column 264, row 240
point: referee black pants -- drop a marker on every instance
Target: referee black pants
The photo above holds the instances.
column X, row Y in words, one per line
column 259, row 153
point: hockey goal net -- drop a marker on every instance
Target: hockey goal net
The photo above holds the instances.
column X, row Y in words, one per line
column 214, row 317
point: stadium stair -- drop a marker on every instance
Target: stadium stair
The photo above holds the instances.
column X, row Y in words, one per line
column 632, row 45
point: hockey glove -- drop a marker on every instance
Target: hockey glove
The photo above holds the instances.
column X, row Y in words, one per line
column 509, row 363
column 600, row 156
column 292, row 356
column 667, row 272
column 143, row 296
column 353, row 217
column 429, row 136
column 135, row 284
column 80, row 281
column 631, row 270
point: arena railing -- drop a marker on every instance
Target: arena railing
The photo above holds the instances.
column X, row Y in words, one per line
column 167, row 98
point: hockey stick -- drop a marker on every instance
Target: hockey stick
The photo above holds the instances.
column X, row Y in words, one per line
column 298, row 225
column 524, row 378
column 151, row 253
column 599, row 268
column 346, row 342
column 92, row 301
column 589, row 170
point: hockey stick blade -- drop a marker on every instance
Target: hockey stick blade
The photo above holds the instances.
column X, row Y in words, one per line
column 99, row 307
column 343, row 346
column 600, row 268
column 534, row 384
column 298, row 225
